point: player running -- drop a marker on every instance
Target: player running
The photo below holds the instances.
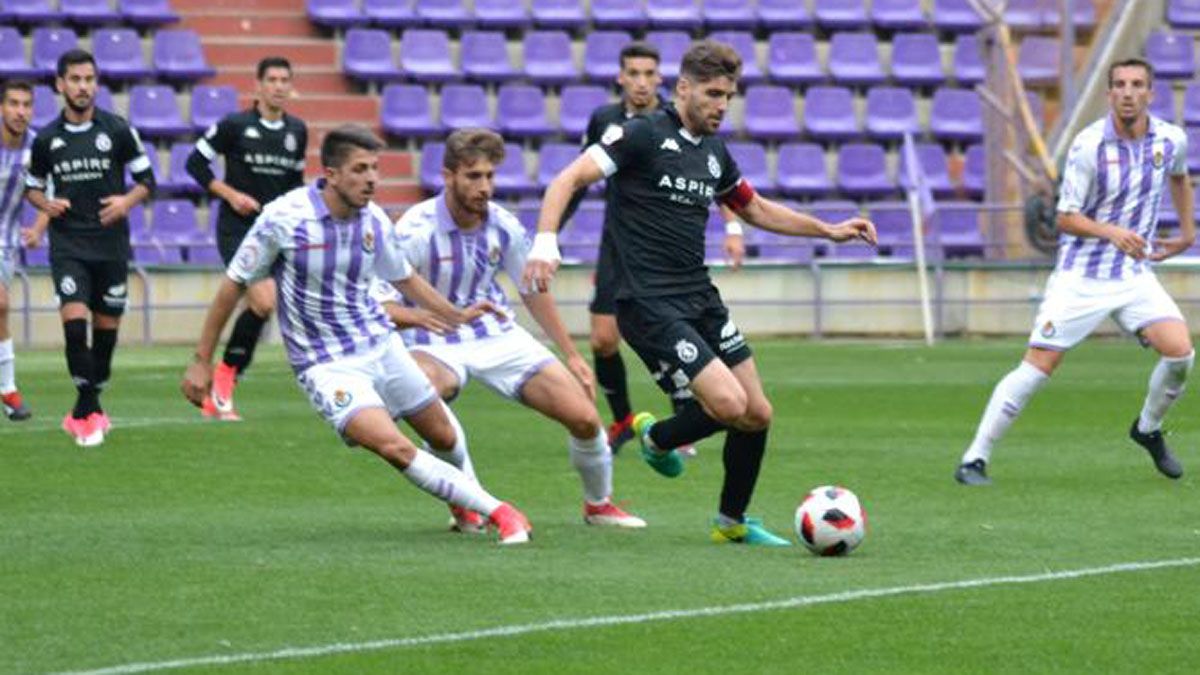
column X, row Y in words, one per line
column 16, row 109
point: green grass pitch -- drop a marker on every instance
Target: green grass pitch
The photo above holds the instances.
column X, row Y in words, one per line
column 183, row 541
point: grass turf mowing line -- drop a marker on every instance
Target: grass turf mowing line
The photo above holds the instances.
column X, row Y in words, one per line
column 620, row 620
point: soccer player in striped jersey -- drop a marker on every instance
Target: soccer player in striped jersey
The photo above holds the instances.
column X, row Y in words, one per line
column 323, row 245
column 16, row 109
column 460, row 241
column 1116, row 172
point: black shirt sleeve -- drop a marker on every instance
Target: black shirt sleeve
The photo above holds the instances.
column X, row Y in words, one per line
column 217, row 140
column 38, row 173
column 730, row 173
column 297, row 175
column 626, row 145
column 130, row 152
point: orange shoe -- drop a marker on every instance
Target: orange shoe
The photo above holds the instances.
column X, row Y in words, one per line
column 14, row 406
column 219, row 402
column 85, row 431
column 100, row 419
column 466, row 521
column 609, row 514
column 620, row 432
column 513, row 525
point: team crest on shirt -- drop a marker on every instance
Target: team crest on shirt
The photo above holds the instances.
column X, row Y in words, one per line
column 1048, row 329
column 342, row 398
column 1158, row 159
column 494, row 255
column 714, row 167
column 247, row 258
column 289, row 142
column 103, row 142
column 368, row 242
column 686, row 351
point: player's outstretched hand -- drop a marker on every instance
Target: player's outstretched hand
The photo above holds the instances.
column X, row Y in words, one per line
column 1169, row 246
column 197, row 381
column 31, row 238
column 582, row 372
column 735, row 250
column 244, row 205
column 854, row 228
column 419, row 317
column 56, row 208
column 1129, row 242
column 479, row 309
column 538, row 274
column 115, row 207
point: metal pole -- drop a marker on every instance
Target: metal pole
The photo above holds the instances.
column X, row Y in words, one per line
column 1068, row 54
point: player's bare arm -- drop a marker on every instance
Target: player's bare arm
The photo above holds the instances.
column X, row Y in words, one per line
column 116, row 207
column 415, row 317
column 544, row 311
column 775, row 217
column 55, row 208
column 31, row 237
column 735, row 239
column 1129, row 242
column 197, row 379
column 544, row 256
column 418, row 290
column 242, row 203
column 1183, row 198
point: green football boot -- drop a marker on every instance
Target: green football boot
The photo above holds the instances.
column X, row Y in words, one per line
column 750, row 532
column 668, row 463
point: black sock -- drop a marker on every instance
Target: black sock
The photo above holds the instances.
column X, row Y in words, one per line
column 743, row 457
column 689, row 424
column 79, row 364
column 610, row 375
column 104, row 342
column 242, row 341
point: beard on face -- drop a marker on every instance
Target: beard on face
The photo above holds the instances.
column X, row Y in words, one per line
column 75, row 106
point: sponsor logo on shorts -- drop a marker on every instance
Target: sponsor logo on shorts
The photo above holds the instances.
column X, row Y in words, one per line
column 1048, row 329
column 67, row 285
column 342, row 398
column 103, row 142
column 731, row 337
column 115, row 296
column 680, row 379
column 686, row 351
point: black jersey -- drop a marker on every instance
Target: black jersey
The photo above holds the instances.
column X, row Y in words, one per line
column 83, row 164
column 661, row 182
column 262, row 159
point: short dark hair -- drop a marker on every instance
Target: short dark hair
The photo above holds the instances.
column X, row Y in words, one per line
column 639, row 50
column 272, row 62
column 15, row 85
column 707, row 60
column 341, row 141
column 73, row 57
column 1132, row 63
column 466, row 146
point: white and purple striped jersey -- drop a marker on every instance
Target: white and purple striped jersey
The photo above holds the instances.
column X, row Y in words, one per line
column 1120, row 182
column 462, row 265
column 13, row 164
column 323, row 269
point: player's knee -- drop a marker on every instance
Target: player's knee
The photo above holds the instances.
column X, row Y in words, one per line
column 757, row 417
column 442, row 437
column 728, row 408
column 398, row 451
column 263, row 306
column 605, row 343
column 3, row 303
column 583, row 423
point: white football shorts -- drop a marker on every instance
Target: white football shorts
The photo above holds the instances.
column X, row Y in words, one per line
column 503, row 362
column 1074, row 306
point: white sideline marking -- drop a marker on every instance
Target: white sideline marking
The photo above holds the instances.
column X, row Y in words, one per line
column 618, row 620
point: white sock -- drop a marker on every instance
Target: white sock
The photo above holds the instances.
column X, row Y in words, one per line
column 449, row 484
column 1167, row 382
column 1008, row 399
column 8, row 377
column 458, row 455
column 593, row 460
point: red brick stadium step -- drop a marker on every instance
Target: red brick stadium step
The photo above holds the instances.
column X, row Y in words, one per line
column 223, row 52
column 190, row 6
column 331, row 107
column 309, row 80
column 393, row 164
column 224, row 23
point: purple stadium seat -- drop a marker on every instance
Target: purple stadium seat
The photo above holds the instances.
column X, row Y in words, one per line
column 404, row 111
column 802, row 171
column 917, row 60
column 1183, row 13
column 765, row 246
column 13, row 61
column 893, row 223
column 548, row 59
column 729, row 14
column 854, row 59
column 576, row 105
column 335, row 13
column 445, row 13
column 751, row 159
column 512, row 178
column 1024, row 15
column 527, row 212
column 1162, row 105
column 672, row 45
column 792, row 58
column 862, row 171
column 31, row 11
column 829, row 113
column 558, row 14
column 601, row 52
column 673, row 14
column 770, row 112
column 956, row 16
column 45, row 106
column 1039, row 60
column 501, row 14
column 553, row 158
column 932, row 158
column 485, row 56
column 118, row 53
column 783, row 15
column 956, row 115
column 391, row 13
column 431, row 166
column 425, row 56
column 173, row 222
column 619, row 14
column 104, row 99
column 1191, row 103
column 891, row 111
column 841, row 14
column 49, row 44
column 178, row 55
column 367, row 55
column 211, row 103
column 1172, row 55
column 969, row 68
column 1193, row 155
column 898, row 14
column 89, row 12
column 464, row 105
column 178, row 180
column 743, row 42
column 154, row 112
column 147, row 12
column 975, row 171
column 521, row 111
column 957, row 227
column 580, row 239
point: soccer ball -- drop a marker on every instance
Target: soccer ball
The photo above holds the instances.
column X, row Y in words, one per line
column 830, row 521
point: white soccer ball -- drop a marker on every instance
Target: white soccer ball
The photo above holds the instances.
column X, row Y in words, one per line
column 830, row 521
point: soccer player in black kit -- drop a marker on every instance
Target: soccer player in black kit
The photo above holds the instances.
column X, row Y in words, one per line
column 664, row 170
column 639, row 80
column 264, row 158
column 77, row 177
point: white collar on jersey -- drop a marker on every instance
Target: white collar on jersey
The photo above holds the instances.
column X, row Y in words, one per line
column 77, row 128
column 688, row 136
column 273, row 125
